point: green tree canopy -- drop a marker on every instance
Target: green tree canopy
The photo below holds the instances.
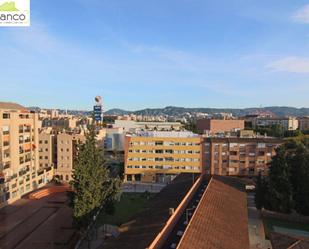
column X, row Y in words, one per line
column 92, row 185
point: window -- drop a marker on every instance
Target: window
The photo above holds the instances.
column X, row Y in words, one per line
column 159, row 143
column 169, row 159
column 129, row 178
column 233, row 153
column 159, row 151
column 137, row 177
column 6, row 116
column 6, row 130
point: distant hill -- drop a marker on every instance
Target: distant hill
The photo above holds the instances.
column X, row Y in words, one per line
column 116, row 111
column 179, row 111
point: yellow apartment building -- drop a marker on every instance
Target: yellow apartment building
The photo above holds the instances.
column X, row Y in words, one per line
column 154, row 156
column 19, row 168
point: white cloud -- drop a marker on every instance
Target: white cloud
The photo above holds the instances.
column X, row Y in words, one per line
column 302, row 15
column 291, row 64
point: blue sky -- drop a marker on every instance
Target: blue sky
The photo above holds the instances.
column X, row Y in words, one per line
column 155, row 53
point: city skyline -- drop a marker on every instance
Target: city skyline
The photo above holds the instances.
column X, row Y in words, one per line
column 147, row 55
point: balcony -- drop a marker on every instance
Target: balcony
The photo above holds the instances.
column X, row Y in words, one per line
column 12, row 177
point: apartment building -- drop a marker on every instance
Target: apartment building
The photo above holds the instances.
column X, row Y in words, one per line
column 303, row 124
column 287, row 123
column 66, row 153
column 130, row 125
column 238, row 156
column 47, row 153
column 60, row 123
column 154, row 156
column 19, row 168
column 214, row 126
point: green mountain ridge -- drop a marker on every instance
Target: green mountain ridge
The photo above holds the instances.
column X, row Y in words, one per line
column 178, row 111
column 279, row 111
column 8, row 6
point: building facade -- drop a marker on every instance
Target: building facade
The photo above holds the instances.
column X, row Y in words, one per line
column 66, row 153
column 287, row 123
column 47, row 154
column 303, row 124
column 238, row 156
column 19, row 168
column 130, row 125
column 214, row 126
column 155, row 156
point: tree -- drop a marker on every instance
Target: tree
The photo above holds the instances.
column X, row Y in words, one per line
column 300, row 178
column 92, row 185
column 191, row 126
column 275, row 130
column 260, row 192
column 279, row 194
column 287, row 185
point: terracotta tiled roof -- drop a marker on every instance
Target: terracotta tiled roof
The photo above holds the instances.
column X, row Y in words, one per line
column 221, row 219
column 145, row 225
column 282, row 241
column 11, row 106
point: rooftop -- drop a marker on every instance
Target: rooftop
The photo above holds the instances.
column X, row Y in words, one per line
column 244, row 139
column 177, row 134
column 220, row 220
column 11, row 106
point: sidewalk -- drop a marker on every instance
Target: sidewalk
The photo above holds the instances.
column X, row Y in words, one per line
column 255, row 226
